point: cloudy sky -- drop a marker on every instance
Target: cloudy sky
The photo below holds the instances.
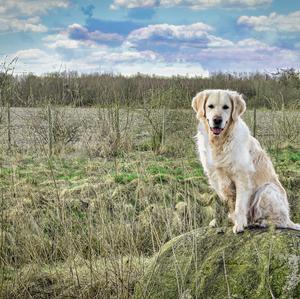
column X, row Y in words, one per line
column 163, row 37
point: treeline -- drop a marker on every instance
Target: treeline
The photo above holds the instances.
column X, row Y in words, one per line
column 70, row 88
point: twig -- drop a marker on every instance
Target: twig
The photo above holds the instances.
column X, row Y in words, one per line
column 269, row 286
column 226, row 275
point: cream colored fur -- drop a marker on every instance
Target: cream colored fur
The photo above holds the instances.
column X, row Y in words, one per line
column 237, row 167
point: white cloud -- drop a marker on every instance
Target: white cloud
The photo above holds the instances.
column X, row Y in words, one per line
column 107, row 61
column 133, row 3
column 122, row 55
column 196, row 35
column 35, row 60
column 31, row 54
column 23, row 15
column 61, row 40
column 12, row 24
column 163, row 69
column 95, row 53
column 184, row 32
column 273, row 22
column 193, row 4
column 81, row 33
column 247, row 55
column 77, row 36
column 251, row 43
column 29, row 7
column 88, row 56
column 187, row 44
column 160, row 49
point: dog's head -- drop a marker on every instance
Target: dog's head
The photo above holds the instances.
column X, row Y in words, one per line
column 218, row 108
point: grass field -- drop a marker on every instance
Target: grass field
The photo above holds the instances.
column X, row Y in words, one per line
column 85, row 222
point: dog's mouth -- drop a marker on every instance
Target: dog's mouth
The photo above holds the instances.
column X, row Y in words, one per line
column 216, row 131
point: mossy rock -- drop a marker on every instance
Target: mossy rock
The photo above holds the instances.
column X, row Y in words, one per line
column 215, row 263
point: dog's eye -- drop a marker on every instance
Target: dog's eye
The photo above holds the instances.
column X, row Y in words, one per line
column 225, row 107
column 211, row 106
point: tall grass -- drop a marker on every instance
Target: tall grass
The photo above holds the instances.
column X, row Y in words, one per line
column 86, row 221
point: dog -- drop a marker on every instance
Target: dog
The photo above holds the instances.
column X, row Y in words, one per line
column 237, row 167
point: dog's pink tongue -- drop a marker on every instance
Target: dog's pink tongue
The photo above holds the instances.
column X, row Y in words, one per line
column 217, row 130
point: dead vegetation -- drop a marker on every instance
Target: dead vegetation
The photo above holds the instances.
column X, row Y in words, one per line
column 85, row 221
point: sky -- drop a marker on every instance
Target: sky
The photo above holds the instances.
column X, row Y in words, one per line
column 161, row 37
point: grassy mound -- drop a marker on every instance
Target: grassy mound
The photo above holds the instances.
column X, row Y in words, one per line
column 210, row 263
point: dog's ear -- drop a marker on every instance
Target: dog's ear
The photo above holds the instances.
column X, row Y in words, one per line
column 198, row 103
column 239, row 106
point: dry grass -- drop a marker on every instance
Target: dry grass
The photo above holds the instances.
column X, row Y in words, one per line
column 85, row 222
column 111, row 131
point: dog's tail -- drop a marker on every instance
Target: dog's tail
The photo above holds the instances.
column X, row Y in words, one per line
column 257, row 214
column 292, row 225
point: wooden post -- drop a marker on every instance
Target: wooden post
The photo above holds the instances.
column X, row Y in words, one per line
column 254, row 120
column 50, row 131
column 117, row 123
column 254, row 108
column 8, row 127
column 163, row 137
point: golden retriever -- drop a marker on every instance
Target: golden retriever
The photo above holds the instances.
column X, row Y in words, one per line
column 237, row 167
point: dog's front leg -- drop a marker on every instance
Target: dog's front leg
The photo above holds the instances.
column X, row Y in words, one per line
column 243, row 193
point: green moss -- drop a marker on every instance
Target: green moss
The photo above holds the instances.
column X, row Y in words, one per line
column 207, row 264
column 125, row 178
column 157, row 169
column 288, row 154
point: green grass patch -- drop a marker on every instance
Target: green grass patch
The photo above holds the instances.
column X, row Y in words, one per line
column 288, row 154
column 157, row 169
column 125, row 178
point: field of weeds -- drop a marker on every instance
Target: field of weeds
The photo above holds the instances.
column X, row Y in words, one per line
column 86, row 204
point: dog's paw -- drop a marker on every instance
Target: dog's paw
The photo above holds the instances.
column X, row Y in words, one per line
column 237, row 228
column 240, row 222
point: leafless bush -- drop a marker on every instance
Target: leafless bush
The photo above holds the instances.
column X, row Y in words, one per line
column 111, row 134
column 155, row 115
column 283, row 123
column 65, row 128
column 103, row 89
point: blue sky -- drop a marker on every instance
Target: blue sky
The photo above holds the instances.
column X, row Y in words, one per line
column 162, row 37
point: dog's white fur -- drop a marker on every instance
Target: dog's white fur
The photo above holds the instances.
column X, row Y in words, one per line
column 237, row 167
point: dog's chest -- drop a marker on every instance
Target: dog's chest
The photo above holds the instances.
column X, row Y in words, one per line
column 232, row 157
column 222, row 156
column 213, row 158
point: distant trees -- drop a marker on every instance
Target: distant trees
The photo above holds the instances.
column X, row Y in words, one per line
column 71, row 88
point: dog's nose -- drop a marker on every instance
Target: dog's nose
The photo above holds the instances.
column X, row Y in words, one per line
column 217, row 120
